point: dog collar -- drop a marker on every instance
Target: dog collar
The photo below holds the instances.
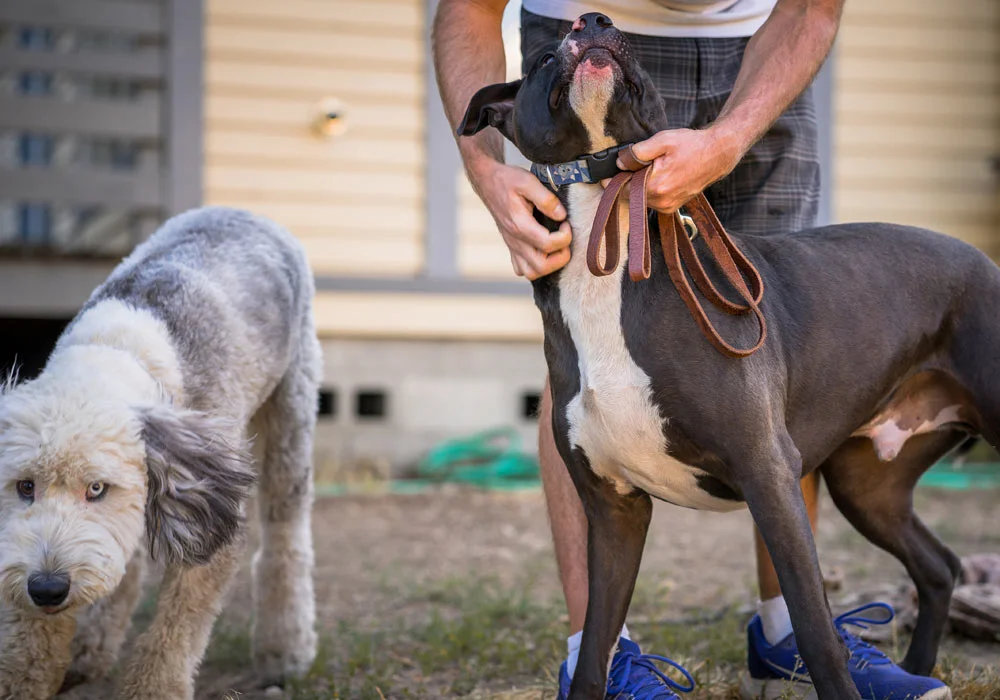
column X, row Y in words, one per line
column 588, row 169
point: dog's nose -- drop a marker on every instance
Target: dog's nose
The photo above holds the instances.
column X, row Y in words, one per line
column 48, row 590
column 594, row 20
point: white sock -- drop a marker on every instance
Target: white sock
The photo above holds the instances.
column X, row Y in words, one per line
column 775, row 619
column 573, row 649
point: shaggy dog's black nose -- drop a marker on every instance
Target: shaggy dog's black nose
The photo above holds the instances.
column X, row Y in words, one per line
column 48, row 590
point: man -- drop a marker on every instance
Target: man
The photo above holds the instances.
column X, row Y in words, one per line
column 734, row 75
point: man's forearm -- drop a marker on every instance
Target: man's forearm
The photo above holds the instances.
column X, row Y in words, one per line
column 780, row 61
column 469, row 54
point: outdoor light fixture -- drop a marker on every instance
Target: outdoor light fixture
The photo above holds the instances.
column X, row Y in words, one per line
column 330, row 120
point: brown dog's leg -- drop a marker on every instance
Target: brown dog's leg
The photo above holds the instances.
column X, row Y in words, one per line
column 616, row 536
column 877, row 498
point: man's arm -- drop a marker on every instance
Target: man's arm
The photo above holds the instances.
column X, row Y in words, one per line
column 780, row 61
column 468, row 55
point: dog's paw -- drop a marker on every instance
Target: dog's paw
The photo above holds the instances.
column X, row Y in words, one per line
column 86, row 690
column 178, row 691
column 154, row 684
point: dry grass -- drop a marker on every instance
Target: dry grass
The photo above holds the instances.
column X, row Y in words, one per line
column 485, row 641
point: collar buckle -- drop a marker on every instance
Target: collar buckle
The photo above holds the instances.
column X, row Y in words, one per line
column 588, row 168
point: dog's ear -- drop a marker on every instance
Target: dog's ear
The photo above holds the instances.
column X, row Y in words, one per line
column 199, row 473
column 492, row 106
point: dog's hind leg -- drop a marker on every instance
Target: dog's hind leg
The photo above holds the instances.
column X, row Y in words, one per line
column 284, row 636
column 166, row 657
column 617, row 526
column 101, row 628
column 877, row 498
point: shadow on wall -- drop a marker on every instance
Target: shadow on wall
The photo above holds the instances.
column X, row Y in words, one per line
column 26, row 343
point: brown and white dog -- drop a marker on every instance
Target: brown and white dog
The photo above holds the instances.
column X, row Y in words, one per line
column 137, row 432
column 883, row 354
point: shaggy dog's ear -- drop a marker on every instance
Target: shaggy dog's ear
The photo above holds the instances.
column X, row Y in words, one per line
column 198, row 478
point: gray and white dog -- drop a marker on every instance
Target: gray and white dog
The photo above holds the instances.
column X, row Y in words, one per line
column 883, row 354
column 138, row 429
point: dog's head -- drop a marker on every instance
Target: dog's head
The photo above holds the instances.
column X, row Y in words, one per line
column 82, row 477
column 586, row 94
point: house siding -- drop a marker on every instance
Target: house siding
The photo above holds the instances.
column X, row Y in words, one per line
column 917, row 116
column 268, row 66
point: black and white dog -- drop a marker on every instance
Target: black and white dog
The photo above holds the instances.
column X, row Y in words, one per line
column 882, row 356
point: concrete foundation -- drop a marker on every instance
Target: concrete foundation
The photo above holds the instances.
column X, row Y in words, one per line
column 391, row 401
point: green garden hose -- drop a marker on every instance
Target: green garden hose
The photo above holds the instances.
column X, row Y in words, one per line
column 491, row 460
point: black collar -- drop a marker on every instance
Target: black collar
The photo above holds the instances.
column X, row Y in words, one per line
column 589, row 168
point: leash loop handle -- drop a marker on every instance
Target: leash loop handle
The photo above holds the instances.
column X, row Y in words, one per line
column 674, row 239
column 605, row 228
column 677, row 247
column 639, row 258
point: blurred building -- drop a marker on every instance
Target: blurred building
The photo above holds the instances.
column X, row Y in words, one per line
column 323, row 114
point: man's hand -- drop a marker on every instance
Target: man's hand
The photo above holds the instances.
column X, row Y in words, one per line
column 468, row 54
column 685, row 162
column 511, row 194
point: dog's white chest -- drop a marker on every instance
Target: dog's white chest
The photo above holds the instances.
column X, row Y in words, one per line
column 613, row 417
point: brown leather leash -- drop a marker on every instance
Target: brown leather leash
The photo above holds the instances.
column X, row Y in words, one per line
column 677, row 247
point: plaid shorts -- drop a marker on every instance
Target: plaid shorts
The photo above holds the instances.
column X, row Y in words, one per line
column 776, row 187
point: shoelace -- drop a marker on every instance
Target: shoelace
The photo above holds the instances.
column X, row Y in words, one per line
column 648, row 688
column 862, row 651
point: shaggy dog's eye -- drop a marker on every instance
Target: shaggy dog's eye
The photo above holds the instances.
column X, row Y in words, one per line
column 26, row 490
column 96, row 491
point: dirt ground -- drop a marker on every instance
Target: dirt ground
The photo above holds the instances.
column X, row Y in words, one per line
column 455, row 593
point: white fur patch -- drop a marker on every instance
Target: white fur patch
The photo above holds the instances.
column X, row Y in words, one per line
column 613, row 417
column 114, row 324
column 589, row 97
column 888, row 438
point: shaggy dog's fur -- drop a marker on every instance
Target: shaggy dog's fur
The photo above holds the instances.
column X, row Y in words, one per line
column 137, row 432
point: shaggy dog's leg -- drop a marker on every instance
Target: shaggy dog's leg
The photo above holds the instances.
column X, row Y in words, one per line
column 167, row 655
column 102, row 627
column 284, row 638
column 34, row 653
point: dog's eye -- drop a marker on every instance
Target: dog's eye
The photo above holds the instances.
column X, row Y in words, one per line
column 547, row 59
column 96, row 491
column 26, row 490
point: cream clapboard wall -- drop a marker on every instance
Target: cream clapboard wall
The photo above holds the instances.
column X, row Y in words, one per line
column 917, row 108
column 268, row 65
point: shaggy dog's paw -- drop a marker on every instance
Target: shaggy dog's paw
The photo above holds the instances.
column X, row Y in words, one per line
column 87, row 690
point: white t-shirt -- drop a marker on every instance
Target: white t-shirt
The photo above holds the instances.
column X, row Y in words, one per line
column 675, row 18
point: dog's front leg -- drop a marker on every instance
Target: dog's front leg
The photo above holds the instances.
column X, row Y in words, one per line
column 167, row 655
column 772, row 492
column 102, row 627
column 617, row 526
column 34, row 653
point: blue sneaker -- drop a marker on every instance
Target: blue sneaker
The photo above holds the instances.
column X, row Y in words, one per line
column 778, row 672
column 634, row 676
